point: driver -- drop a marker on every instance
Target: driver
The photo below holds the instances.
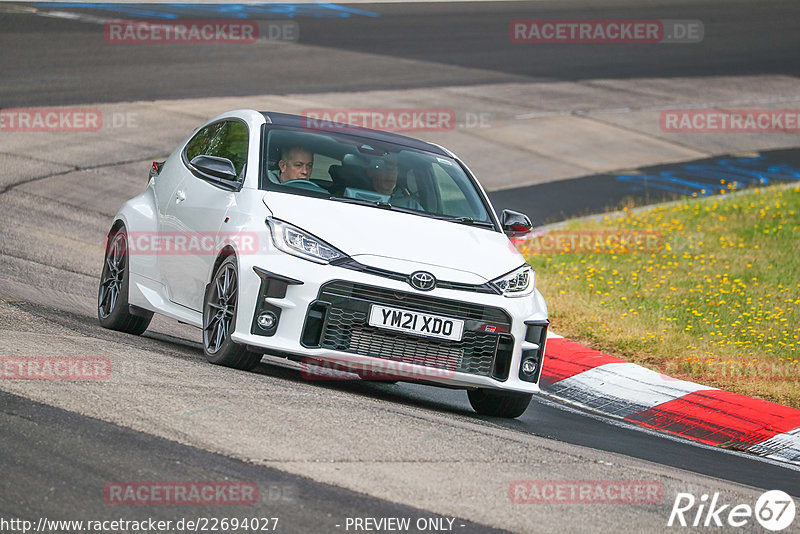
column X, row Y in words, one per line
column 382, row 172
column 296, row 163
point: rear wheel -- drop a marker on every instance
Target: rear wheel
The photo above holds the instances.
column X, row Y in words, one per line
column 219, row 320
column 113, row 310
column 499, row 403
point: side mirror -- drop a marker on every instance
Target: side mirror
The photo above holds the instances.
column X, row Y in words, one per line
column 155, row 170
column 515, row 223
column 215, row 167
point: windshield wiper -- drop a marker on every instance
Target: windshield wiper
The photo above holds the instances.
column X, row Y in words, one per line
column 376, row 204
column 465, row 220
column 373, row 203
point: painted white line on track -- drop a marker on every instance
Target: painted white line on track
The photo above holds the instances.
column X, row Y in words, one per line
column 622, row 389
column 788, row 444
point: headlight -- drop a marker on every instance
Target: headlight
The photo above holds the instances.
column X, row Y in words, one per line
column 297, row 242
column 517, row 283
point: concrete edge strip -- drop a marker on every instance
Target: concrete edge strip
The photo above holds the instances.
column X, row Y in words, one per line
column 604, row 384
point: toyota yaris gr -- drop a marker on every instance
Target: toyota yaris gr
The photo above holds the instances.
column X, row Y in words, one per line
column 335, row 246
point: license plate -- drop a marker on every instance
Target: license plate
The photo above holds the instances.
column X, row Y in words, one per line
column 421, row 324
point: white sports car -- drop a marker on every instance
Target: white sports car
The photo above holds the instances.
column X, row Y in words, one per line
column 340, row 247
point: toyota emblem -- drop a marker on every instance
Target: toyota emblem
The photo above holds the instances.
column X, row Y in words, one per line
column 422, row 280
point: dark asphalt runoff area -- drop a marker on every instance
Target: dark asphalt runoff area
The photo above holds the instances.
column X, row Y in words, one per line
column 54, row 463
column 57, row 464
column 601, row 193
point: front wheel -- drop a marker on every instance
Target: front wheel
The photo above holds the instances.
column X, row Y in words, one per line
column 499, row 403
column 219, row 320
column 113, row 310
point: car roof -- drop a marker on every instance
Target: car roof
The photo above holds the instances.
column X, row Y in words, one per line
column 299, row 121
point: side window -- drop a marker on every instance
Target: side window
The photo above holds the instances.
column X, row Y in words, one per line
column 223, row 139
column 232, row 144
column 199, row 143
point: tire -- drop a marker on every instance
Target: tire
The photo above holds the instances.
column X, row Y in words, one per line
column 499, row 403
column 219, row 317
column 113, row 310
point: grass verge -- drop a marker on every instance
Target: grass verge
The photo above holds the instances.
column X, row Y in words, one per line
column 707, row 290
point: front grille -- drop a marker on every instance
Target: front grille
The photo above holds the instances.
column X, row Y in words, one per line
column 344, row 327
column 341, row 290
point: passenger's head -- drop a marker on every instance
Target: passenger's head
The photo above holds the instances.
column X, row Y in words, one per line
column 383, row 174
column 296, row 163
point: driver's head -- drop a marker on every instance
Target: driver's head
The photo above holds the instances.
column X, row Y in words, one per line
column 383, row 174
column 296, row 163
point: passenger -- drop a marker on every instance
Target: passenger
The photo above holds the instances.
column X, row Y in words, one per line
column 296, row 163
column 383, row 174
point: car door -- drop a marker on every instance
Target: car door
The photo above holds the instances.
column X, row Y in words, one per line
column 195, row 216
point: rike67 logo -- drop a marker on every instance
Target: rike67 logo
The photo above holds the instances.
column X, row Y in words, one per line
column 774, row 510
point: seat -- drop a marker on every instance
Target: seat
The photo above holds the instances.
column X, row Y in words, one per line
column 351, row 173
column 339, row 181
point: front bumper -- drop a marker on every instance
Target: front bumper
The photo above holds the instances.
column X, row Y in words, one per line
column 322, row 315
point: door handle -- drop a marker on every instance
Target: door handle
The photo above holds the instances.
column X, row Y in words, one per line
column 180, row 196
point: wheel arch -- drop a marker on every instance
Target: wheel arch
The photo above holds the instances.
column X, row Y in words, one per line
column 224, row 253
column 115, row 227
column 139, row 216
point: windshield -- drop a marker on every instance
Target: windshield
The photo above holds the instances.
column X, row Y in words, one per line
column 349, row 168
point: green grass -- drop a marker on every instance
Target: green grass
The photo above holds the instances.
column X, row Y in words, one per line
column 718, row 302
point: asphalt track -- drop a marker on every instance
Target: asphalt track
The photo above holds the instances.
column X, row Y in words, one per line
column 52, row 61
column 46, row 452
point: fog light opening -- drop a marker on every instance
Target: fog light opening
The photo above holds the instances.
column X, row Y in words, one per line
column 529, row 366
column 266, row 320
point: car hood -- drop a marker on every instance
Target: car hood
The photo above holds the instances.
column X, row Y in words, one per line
column 375, row 237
